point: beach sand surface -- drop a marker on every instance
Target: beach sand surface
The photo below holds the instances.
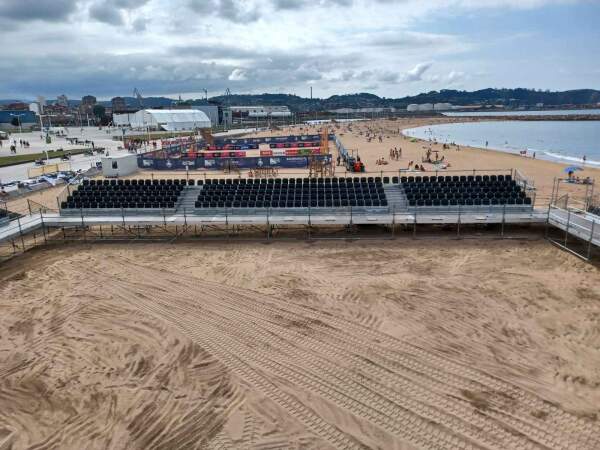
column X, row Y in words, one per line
column 393, row 345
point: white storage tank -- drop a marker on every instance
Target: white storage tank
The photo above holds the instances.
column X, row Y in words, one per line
column 442, row 106
column 426, row 107
column 412, row 108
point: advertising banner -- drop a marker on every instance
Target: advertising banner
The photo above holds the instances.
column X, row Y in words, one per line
column 221, row 163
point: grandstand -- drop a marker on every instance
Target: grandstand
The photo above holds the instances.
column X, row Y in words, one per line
column 372, row 194
column 176, row 207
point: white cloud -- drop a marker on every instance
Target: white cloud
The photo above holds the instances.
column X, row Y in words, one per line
column 416, row 73
column 237, row 75
column 177, row 45
column 455, row 76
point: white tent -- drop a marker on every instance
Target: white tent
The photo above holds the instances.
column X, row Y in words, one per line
column 170, row 119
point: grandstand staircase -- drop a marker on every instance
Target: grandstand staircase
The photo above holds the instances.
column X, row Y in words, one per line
column 187, row 199
column 396, row 197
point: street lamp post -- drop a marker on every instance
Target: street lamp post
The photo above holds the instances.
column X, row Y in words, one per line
column 18, row 116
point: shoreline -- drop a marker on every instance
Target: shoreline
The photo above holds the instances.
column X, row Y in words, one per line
column 541, row 154
column 543, row 171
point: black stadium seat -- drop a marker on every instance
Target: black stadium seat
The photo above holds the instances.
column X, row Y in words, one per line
column 294, row 193
column 478, row 190
column 125, row 194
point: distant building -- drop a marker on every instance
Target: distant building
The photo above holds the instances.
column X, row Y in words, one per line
column 218, row 114
column 362, row 110
column 87, row 105
column 118, row 104
column 24, row 117
column 260, row 111
column 41, row 101
column 412, row 108
column 212, row 111
column 62, row 100
column 17, row 106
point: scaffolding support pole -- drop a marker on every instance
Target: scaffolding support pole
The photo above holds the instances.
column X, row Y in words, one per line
column 567, row 227
column 503, row 220
column 589, row 249
column 21, row 233
column 43, row 226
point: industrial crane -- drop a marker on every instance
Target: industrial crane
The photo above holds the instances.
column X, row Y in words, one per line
column 137, row 95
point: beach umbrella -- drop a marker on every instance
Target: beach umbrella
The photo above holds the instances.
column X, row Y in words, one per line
column 573, row 169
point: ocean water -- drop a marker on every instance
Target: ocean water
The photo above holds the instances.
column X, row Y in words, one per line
column 563, row 141
column 557, row 112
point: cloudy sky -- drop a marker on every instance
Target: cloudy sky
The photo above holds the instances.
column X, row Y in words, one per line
column 391, row 48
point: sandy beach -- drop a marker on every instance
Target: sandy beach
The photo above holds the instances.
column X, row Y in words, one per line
column 391, row 345
column 353, row 136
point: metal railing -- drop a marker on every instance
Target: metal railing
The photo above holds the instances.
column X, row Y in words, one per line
column 341, row 172
column 574, row 218
column 593, row 206
column 523, row 181
column 68, row 189
column 95, row 224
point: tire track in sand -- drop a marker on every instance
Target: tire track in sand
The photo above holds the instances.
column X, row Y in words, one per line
column 222, row 348
column 523, row 403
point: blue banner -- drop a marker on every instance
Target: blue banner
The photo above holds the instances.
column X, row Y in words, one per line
column 274, row 139
column 293, row 162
